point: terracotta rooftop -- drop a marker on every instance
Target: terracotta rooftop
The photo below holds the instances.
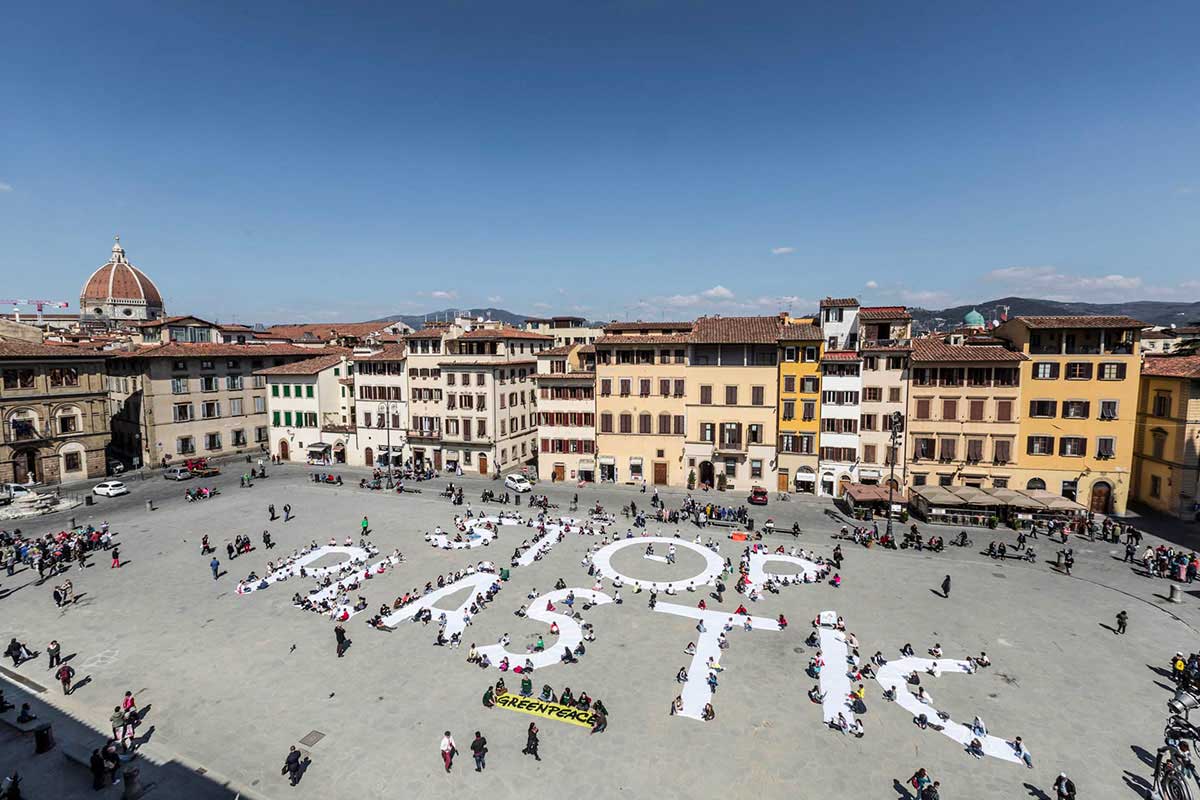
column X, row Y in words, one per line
column 1080, row 322
column 12, row 348
column 570, row 376
column 498, row 363
column 841, row 355
column 883, row 312
column 623, row 327
column 427, row 333
column 736, row 330
column 933, row 349
column 1172, row 366
column 155, row 323
column 839, row 302
column 562, row 350
column 390, row 352
column 588, row 348
column 800, row 332
column 659, row 338
column 119, row 280
column 324, row 331
column 309, row 366
column 212, row 350
column 506, row 332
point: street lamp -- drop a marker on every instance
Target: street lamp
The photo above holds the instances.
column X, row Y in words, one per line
column 385, row 409
column 897, row 419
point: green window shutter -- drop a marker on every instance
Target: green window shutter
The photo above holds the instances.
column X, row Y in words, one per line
column 275, row 418
column 287, row 418
column 287, row 390
column 308, row 391
column 274, row 390
column 336, row 372
column 297, row 390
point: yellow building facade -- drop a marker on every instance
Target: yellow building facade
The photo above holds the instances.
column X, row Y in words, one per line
column 1079, row 395
column 1166, row 461
column 801, row 345
column 641, row 407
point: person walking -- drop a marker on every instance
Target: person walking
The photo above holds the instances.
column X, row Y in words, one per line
column 479, row 751
column 116, row 558
column 531, row 742
column 291, row 765
column 366, row 528
column 946, row 587
column 1122, row 621
column 1064, row 787
column 54, row 650
column 448, row 750
column 267, row 543
column 339, row 633
column 215, row 566
column 287, row 512
column 271, row 512
column 65, row 675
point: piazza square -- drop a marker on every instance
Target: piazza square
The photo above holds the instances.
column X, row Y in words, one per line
column 233, row 679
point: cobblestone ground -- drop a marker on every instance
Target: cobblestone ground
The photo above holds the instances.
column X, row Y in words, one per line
column 232, row 680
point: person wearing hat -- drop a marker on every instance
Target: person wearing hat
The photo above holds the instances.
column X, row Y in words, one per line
column 1064, row 787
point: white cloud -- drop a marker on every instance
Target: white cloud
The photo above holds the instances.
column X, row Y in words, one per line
column 495, row 298
column 928, row 298
column 782, row 251
column 682, row 300
column 871, row 285
column 1110, row 282
column 1054, row 283
column 5, row 187
column 444, row 295
column 542, row 306
column 1041, row 275
column 718, row 292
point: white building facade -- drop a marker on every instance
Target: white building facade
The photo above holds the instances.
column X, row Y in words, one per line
column 566, row 414
column 381, row 404
column 841, row 397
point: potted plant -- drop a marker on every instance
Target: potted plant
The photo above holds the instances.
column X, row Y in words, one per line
column 904, row 515
column 721, row 482
column 993, row 521
column 691, row 481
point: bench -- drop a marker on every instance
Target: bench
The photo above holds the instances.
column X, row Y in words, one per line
column 725, row 523
column 78, row 753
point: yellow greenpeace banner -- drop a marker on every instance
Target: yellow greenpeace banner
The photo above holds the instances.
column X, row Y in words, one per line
column 540, row 708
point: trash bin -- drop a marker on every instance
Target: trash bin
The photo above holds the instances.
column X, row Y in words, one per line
column 149, row 505
column 89, row 500
column 43, row 739
column 132, row 789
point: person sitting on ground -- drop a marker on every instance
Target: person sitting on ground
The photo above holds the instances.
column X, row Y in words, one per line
column 840, row 724
column 677, row 705
column 567, row 657
column 983, row 660
column 921, row 696
column 815, row 694
column 889, row 694
column 520, row 612
column 709, row 714
column 547, row 695
column 978, row 727
column 975, row 748
column 489, row 698
column 566, row 698
column 936, row 650
column 25, row 714
column 690, row 649
column 526, row 687
column 856, row 728
column 907, row 650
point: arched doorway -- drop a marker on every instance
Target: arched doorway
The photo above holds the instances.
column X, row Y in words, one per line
column 843, row 482
column 706, row 473
column 1035, row 483
column 893, row 483
column 283, row 450
column 25, row 467
column 1101, row 501
column 369, row 457
column 339, row 453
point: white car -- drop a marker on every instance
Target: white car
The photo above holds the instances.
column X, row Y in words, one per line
column 518, row 483
column 110, row 489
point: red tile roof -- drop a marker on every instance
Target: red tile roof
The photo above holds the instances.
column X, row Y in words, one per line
column 883, row 312
column 561, row 350
column 839, row 302
column 212, row 350
column 504, row 333
column 309, row 366
column 325, row 331
column 841, row 355
column 619, row 327
column 570, row 376
column 14, row 348
column 736, row 330
column 1080, row 322
column 155, row 323
column 662, row 338
column 933, row 349
column 800, row 332
column 427, row 333
column 390, row 352
column 1172, row 366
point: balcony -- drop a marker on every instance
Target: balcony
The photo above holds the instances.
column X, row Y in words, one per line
column 730, row 446
column 867, row 344
column 417, row 433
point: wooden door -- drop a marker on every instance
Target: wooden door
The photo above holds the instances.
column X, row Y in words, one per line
column 483, row 464
column 560, row 472
column 369, row 457
column 660, row 473
column 782, row 484
column 1101, row 498
column 283, row 450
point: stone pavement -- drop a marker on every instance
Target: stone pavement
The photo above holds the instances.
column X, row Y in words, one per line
column 232, row 680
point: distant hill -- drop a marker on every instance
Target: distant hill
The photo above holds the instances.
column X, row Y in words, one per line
column 417, row 321
column 1152, row 312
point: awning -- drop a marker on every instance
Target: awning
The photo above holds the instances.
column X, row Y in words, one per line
column 635, row 461
column 318, row 447
column 586, row 463
column 608, row 461
column 805, row 477
column 869, row 473
column 938, row 496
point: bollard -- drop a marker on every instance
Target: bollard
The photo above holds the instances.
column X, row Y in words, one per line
column 133, row 788
column 43, row 739
column 72, row 524
column 149, row 505
column 1176, row 594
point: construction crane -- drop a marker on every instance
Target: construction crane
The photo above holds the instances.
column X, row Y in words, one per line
column 38, row 304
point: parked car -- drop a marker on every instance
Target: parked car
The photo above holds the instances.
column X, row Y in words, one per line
column 110, row 489
column 177, row 473
column 115, row 466
column 518, row 483
column 11, row 491
column 758, row 496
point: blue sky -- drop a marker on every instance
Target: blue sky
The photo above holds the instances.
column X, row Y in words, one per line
column 632, row 159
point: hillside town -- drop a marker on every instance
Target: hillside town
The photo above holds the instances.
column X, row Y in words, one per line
column 1014, row 418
